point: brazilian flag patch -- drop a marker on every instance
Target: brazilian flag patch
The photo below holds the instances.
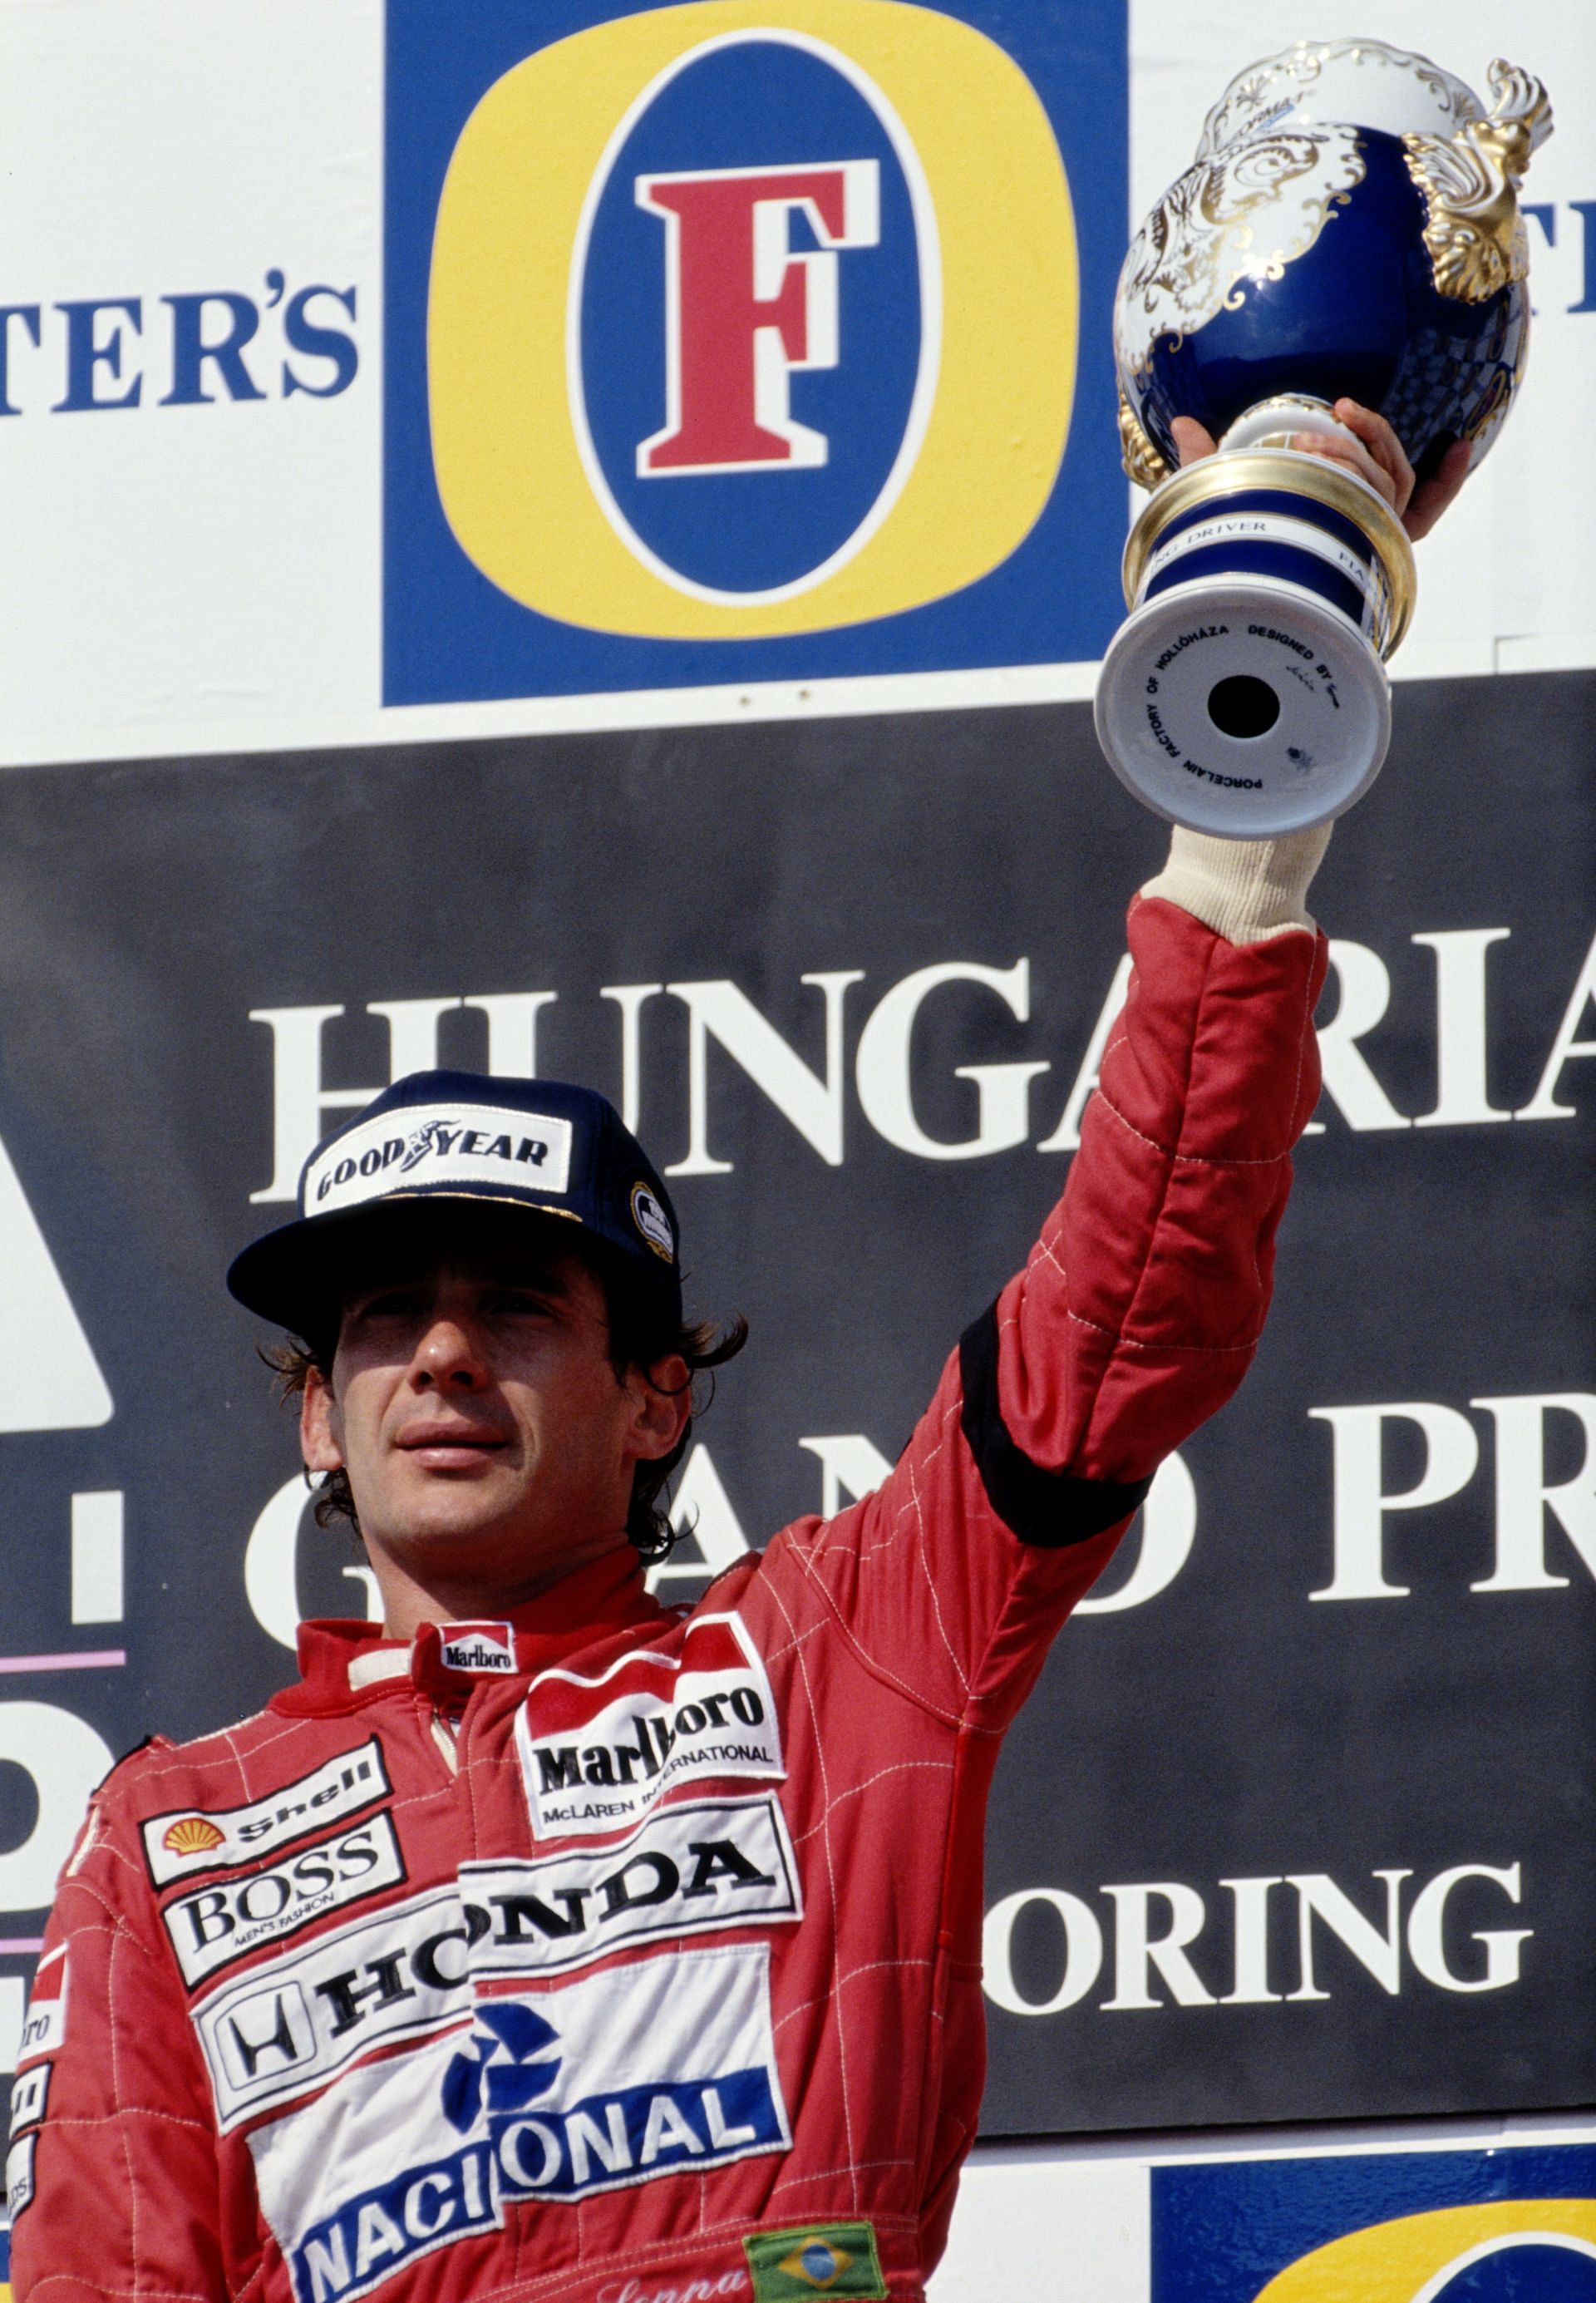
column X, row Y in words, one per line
column 815, row 2259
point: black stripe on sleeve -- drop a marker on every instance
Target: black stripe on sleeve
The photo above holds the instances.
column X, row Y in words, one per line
column 1046, row 1508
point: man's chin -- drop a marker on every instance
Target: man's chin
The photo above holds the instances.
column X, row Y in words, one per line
column 441, row 1510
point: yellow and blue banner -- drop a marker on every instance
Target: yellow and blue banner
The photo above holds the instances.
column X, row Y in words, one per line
column 1510, row 2225
column 729, row 341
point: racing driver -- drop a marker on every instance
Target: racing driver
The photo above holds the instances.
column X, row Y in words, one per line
column 543, row 1943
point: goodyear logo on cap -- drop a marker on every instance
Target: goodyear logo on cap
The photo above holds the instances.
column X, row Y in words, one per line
column 723, row 324
column 1497, row 2226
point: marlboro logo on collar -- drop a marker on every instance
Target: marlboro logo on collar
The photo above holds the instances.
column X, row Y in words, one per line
column 477, row 1648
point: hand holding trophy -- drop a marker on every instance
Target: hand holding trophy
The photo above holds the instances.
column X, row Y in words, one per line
column 1350, row 227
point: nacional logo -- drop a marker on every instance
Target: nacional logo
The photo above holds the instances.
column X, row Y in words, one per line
column 650, row 2070
column 746, row 321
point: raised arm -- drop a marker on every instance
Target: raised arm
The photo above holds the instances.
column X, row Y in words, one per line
column 1136, row 1314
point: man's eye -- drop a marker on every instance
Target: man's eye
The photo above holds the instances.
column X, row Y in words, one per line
column 519, row 1303
column 392, row 1303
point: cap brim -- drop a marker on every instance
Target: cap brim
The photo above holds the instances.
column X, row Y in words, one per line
column 296, row 1277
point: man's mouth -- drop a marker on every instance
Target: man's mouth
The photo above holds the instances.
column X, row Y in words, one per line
column 443, row 1447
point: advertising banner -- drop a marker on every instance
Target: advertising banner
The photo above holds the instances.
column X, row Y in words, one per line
column 353, row 361
column 725, row 342
column 1486, row 2217
column 1298, row 1824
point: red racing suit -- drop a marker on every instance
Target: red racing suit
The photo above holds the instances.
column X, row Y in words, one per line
column 631, row 1954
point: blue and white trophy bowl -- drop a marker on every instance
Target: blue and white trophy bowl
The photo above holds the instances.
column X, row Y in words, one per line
column 1350, row 227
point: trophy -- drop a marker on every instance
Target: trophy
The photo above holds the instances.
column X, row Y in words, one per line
column 1351, row 226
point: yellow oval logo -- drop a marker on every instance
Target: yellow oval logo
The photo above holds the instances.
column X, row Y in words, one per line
column 1414, row 2258
column 862, row 394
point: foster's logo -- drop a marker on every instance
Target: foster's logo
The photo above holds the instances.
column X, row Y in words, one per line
column 735, row 319
column 791, row 306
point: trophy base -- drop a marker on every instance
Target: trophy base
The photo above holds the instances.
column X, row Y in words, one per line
column 1246, row 693
column 1246, row 708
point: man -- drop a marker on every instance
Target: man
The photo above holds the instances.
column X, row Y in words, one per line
column 543, row 1943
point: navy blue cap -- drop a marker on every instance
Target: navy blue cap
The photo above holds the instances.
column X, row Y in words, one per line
column 541, row 1146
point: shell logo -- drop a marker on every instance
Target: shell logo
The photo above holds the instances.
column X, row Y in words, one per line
column 192, row 1834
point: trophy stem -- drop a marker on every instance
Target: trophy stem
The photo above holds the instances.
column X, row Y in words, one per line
column 1246, row 694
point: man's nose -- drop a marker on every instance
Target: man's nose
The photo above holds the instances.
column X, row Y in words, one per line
column 449, row 1356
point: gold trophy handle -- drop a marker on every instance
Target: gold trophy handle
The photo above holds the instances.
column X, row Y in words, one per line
column 1469, row 184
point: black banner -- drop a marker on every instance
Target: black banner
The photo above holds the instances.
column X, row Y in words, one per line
column 1301, row 1829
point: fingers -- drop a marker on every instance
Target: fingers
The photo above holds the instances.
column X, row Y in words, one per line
column 1386, row 449
column 1432, row 496
column 1373, row 452
column 1191, row 440
column 1353, row 457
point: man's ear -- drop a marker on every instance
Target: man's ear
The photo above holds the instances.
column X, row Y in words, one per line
column 663, row 1401
column 318, row 1441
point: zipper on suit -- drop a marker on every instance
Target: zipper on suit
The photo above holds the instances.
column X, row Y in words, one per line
column 445, row 1736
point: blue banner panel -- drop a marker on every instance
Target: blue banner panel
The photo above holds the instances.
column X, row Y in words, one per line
column 1517, row 2226
column 729, row 343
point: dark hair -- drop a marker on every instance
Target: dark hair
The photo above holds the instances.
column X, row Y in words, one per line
column 641, row 1335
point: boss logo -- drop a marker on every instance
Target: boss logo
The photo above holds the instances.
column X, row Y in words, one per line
column 216, row 1925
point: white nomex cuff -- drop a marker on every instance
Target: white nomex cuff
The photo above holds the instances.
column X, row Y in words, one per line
column 1243, row 889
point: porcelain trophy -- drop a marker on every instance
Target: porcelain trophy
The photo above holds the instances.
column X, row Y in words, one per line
column 1350, row 227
